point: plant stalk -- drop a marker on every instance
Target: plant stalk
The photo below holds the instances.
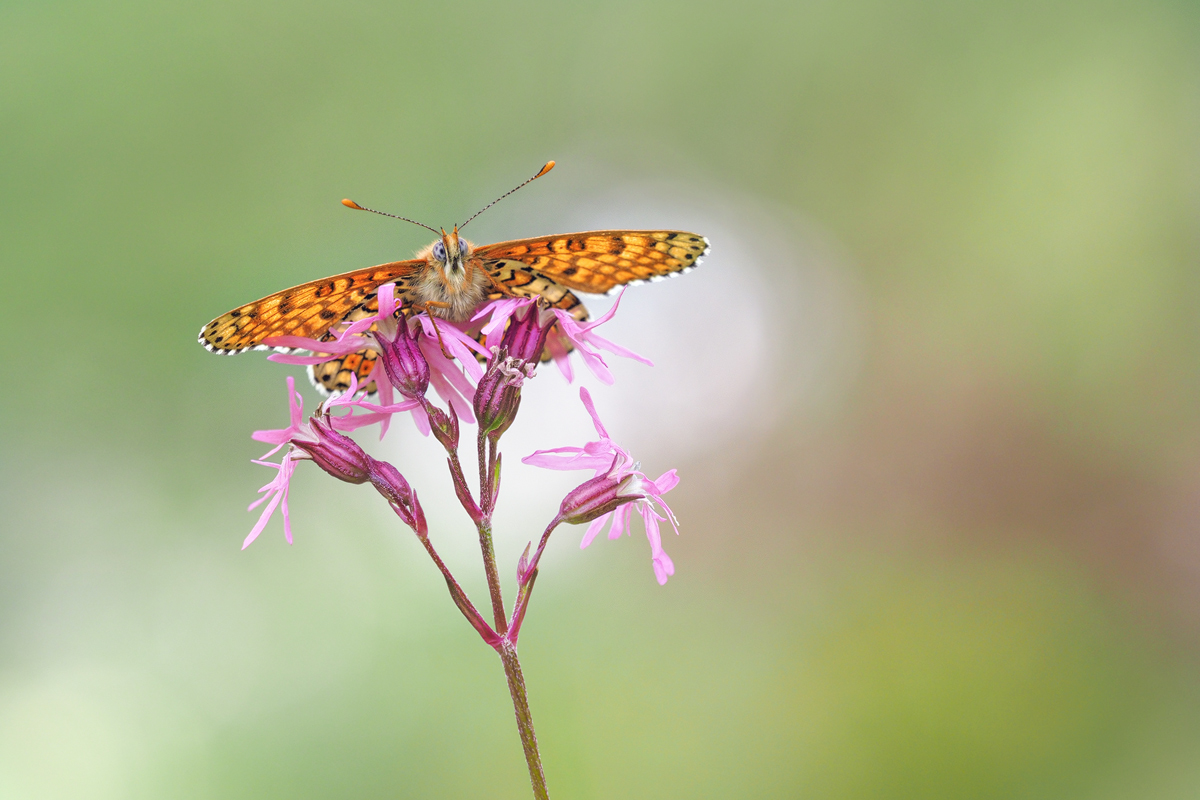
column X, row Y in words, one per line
column 516, row 687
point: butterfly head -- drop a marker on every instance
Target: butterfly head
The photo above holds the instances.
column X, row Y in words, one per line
column 450, row 254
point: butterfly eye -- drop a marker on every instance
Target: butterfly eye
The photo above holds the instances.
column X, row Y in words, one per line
column 462, row 246
column 439, row 251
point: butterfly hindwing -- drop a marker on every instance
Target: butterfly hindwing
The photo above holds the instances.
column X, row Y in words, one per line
column 523, row 281
column 333, row 377
column 597, row 262
column 307, row 310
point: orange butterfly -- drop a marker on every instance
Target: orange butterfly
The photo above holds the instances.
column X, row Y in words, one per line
column 450, row 278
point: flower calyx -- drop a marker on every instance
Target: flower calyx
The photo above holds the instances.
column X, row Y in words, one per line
column 334, row 452
column 525, row 337
column 498, row 395
column 405, row 365
column 601, row 495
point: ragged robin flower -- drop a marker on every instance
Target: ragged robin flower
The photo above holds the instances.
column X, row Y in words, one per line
column 318, row 439
column 618, row 488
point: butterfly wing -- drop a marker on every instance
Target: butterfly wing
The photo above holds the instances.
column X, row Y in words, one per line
column 333, row 376
column 597, row 262
column 308, row 310
column 522, row 281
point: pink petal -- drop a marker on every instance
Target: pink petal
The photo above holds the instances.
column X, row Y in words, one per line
column 387, row 300
column 562, row 359
column 306, row 361
column 448, row 380
column 593, row 529
column 315, row 345
column 586, row 397
column 620, row 521
column 606, row 316
column 650, row 520
column 664, row 567
column 616, row 349
column 262, row 521
column 667, row 481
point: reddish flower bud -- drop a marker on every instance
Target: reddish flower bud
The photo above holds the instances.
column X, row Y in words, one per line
column 336, row 453
column 400, row 496
column 403, row 361
column 498, row 395
column 525, row 337
column 597, row 497
column 443, row 426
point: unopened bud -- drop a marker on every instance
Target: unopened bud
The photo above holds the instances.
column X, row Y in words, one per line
column 498, row 395
column 400, row 496
column 443, row 426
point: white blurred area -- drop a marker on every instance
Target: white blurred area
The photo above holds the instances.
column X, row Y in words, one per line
column 763, row 334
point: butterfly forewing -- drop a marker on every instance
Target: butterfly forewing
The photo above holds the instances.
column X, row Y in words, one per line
column 597, row 262
column 307, row 310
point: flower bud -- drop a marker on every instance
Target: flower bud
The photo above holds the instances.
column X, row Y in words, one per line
column 403, row 361
column 400, row 496
column 498, row 395
column 525, row 337
column 336, row 453
column 443, row 426
column 597, row 497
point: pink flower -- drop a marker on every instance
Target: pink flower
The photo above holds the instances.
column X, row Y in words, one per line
column 588, row 343
column 648, row 506
column 316, row 439
column 498, row 313
column 618, row 484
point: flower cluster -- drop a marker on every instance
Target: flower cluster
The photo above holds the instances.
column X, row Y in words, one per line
column 416, row 352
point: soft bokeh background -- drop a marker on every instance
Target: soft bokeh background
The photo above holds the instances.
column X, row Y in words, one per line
column 935, row 398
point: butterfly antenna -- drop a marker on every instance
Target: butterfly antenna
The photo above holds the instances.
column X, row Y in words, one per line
column 549, row 166
column 357, row 207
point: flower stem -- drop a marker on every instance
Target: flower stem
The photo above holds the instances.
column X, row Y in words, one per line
column 493, row 577
column 460, row 597
column 521, row 604
column 516, row 687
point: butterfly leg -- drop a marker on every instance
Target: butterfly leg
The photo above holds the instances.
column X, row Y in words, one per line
column 425, row 306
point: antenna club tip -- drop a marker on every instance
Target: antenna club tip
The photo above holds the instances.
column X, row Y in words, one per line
column 549, row 166
column 352, row 204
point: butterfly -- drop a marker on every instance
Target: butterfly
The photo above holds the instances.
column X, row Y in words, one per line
column 449, row 279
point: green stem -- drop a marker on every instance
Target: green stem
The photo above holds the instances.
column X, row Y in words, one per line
column 516, row 687
column 493, row 577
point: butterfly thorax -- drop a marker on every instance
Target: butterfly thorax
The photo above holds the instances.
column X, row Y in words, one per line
column 451, row 281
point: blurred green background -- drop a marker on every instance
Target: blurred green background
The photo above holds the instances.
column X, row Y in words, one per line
column 959, row 557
